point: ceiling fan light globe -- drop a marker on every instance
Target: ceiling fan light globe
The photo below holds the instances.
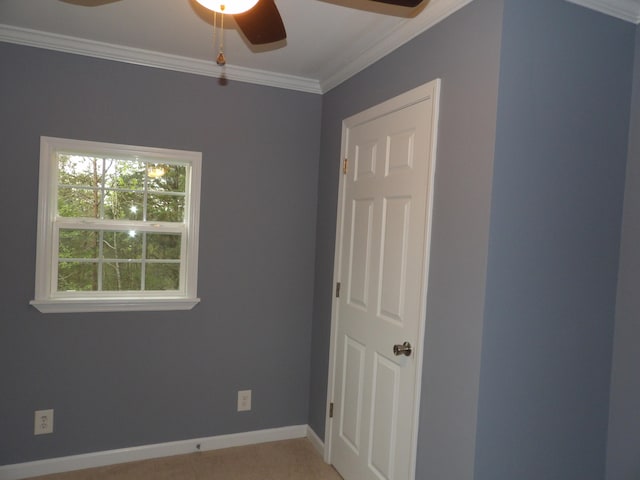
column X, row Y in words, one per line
column 230, row 7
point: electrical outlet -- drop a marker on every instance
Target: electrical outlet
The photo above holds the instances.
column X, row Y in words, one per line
column 43, row 422
column 244, row 400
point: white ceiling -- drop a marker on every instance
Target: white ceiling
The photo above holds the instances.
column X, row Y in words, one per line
column 327, row 42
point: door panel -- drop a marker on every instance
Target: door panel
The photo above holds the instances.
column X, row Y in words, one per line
column 393, row 257
column 386, row 377
column 353, row 378
column 365, row 156
column 360, row 252
column 400, row 152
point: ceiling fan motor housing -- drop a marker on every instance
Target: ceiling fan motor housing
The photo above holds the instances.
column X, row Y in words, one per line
column 230, row 7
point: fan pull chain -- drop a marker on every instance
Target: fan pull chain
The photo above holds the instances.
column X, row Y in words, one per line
column 215, row 28
column 220, row 60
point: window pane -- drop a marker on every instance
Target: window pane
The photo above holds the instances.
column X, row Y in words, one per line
column 79, row 170
column 75, row 202
column 76, row 276
column 165, row 208
column 162, row 276
column 163, row 246
column 78, row 244
column 123, row 205
column 167, row 178
column 125, row 174
column 120, row 276
column 122, row 245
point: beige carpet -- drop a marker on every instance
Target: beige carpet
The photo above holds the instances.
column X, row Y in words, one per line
column 285, row 460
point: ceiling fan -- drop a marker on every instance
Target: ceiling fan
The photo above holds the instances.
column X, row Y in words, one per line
column 260, row 21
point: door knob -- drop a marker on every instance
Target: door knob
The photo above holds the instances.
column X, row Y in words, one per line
column 404, row 349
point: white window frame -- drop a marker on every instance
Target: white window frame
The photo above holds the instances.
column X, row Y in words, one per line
column 47, row 298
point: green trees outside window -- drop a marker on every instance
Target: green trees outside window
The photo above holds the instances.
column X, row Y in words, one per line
column 130, row 199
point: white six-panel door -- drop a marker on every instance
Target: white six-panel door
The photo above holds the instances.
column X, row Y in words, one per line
column 381, row 265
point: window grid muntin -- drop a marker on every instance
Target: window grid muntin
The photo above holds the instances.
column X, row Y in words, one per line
column 143, row 259
column 100, row 257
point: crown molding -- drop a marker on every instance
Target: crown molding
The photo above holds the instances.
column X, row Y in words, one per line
column 405, row 32
column 628, row 10
column 147, row 58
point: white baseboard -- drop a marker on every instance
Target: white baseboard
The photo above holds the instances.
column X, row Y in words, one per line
column 145, row 452
column 315, row 440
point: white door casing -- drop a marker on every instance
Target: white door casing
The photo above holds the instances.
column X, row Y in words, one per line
column 381, row 262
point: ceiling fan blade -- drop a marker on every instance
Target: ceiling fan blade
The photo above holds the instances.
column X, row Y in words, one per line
column 401, row 3
column 89, row 3
column 262, row 24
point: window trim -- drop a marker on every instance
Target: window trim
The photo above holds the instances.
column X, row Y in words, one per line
column 47, row 300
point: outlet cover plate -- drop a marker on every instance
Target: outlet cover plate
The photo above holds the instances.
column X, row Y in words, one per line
column 43, row 422
column 244, row 400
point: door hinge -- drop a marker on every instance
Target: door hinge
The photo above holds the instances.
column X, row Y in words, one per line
column 345, row 166
column 338, row 290
column 331, row 410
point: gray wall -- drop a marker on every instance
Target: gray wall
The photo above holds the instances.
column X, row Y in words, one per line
column 561, row 148
column 623, row 453
column 463, row 51
column 123, row 379
column 545, row 321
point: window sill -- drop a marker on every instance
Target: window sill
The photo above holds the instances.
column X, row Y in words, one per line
column 114, row 305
